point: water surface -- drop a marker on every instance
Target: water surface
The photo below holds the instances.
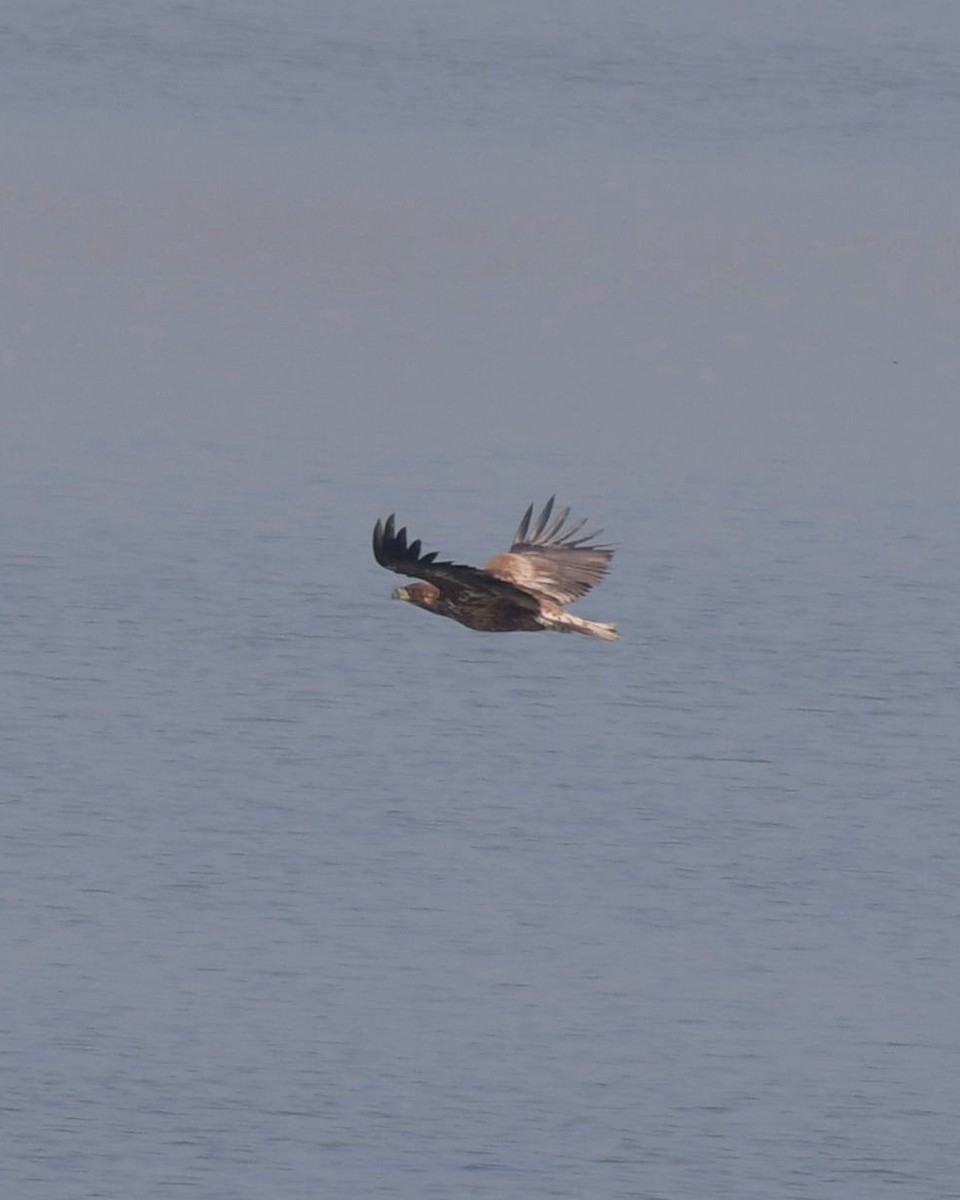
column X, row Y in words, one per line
column 308, row 893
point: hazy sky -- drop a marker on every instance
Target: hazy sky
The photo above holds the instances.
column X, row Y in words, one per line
column 383, row 292
column 680, row 236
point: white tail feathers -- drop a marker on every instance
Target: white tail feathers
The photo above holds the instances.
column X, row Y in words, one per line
column 565, row 622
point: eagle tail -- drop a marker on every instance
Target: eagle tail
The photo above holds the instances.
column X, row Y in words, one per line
column 565, row 622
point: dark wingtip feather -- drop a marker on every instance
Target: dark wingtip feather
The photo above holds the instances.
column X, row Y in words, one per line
column 378, row 541
column 586, row 541
column 549, row 530
column 391, row 549
column 385, row 539
column 572, row 529
column 524, row 527
column 544, row 518
column 557, row 525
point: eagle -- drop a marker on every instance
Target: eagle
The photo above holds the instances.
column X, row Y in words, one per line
column 546, row 568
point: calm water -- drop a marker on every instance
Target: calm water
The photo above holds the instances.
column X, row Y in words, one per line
column 873, row 78
column 309, row 894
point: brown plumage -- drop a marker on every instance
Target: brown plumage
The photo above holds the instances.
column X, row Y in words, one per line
column 527, row 588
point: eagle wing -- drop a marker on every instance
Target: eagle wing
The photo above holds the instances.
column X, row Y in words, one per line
column 550, row 561
column 458, row 581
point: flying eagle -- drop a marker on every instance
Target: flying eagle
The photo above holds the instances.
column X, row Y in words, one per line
column 526, row 588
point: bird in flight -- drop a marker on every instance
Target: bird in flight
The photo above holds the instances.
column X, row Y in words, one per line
column 547, row 567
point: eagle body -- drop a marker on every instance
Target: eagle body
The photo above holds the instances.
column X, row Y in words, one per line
column 480, row 613
column 525, row 589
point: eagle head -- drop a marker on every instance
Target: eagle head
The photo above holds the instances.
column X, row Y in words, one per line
column 423, row 595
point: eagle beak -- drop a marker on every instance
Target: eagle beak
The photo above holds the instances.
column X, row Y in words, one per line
column 400, row 593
